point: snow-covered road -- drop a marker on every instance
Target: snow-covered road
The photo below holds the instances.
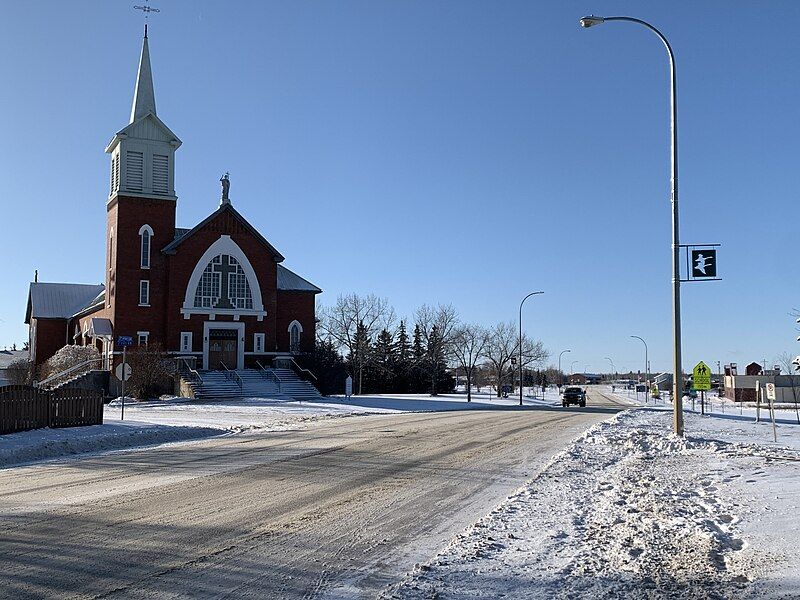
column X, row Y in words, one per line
column 339, row 509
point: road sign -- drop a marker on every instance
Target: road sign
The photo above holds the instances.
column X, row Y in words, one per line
column 348, row 386
column 704, row 264
column 770, row 391
column 124, row 340
column 123, row 371
column 701, row 377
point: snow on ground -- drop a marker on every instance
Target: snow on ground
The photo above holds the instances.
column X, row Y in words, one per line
column 631, row 511
column 174, row 420
column 44, row 444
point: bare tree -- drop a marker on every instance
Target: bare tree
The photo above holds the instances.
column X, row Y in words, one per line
column 503, row 344
column 353, row 322
column 437, row 325
column 785, row 360
column 466, row 350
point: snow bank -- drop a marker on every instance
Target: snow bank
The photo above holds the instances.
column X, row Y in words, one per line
column 631, row 511
column 43, row 444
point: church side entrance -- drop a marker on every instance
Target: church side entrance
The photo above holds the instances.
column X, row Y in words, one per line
column 223, row 348
column 223, row 345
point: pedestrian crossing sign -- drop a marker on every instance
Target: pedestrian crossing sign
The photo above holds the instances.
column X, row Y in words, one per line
column 701, row 377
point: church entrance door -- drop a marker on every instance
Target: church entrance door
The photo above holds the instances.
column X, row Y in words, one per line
column 223, row 348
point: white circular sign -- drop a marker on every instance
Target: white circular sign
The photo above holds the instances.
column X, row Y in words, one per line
column 123, row 375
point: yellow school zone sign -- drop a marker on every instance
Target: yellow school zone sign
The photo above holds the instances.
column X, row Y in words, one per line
column 701, row 377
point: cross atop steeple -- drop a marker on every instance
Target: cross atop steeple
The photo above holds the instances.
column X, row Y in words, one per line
column 146, row 9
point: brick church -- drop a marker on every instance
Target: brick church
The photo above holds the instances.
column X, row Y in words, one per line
column 216, row 292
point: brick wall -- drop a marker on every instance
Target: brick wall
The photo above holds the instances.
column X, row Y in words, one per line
column 298, row 306
column 51, row 336
column 127, row 215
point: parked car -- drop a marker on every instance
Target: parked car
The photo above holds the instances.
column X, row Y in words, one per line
column 573, row 395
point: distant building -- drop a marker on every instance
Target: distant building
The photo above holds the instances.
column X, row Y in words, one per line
column 584, row 378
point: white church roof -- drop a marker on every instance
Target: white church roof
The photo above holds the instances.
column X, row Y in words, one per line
column 60, row 300
column 292, row 282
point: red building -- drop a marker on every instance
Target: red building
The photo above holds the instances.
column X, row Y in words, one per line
column 216, row 291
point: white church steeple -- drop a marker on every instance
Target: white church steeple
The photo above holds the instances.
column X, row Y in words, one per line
column 144, row 97
column 143, row 153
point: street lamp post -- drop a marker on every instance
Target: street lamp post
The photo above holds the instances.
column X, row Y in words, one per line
column 646, row 369
column 561, row 375
column 677, row 375
column 520, row 343
column 613, row 368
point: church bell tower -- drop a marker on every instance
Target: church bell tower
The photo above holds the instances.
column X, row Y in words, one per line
column 141, row 213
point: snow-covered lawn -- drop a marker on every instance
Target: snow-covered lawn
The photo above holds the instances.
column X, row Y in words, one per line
column 631, row 511
column 180, row 419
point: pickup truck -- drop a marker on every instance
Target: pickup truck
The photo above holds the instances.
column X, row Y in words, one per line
column 573, row 395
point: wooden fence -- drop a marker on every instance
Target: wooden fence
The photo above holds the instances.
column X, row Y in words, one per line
column 24, row 407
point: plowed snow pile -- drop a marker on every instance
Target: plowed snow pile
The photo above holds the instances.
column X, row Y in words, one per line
column 631, row 511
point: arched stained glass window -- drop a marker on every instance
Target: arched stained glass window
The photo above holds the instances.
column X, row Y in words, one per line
column 223, row 284
column 294, row 337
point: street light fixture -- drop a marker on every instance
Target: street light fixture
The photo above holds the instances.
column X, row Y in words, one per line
column 560, row 374
column 520, row 344
column 646, row 369
column 677, row 375
column 591, row 21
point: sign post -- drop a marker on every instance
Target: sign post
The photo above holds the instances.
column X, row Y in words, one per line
column 758, row 401
column 701, row 381
column 348, row 387
column 771, row 397
column 123, row 371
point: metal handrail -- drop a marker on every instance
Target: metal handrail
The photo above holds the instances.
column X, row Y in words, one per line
column 302, row 370
column 69, row 371
column 270, row 375
column 232, row 375
column 192, row 371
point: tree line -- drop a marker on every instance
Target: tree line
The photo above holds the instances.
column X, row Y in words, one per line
column 362, row 336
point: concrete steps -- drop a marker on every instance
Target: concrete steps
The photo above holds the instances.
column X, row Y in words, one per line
column 297, row 388
column 216, row 386
column 255, row 385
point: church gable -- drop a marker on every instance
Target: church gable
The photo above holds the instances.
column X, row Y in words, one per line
column 224, row 221
column 224, row 281
column 150, row 128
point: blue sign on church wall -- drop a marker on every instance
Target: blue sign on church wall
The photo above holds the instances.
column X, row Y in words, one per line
column 124, row 340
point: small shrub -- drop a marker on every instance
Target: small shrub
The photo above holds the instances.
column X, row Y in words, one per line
column 151, row 372
column 20, row 372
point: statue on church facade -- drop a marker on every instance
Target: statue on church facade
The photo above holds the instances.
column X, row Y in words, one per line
column 226, row 186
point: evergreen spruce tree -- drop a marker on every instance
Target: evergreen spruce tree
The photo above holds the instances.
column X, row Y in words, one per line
column 418, row 356
column 360, row 357
column 403, row 361
column 383, row 370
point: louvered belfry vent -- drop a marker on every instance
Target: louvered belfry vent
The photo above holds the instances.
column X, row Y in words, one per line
column 116, row 173
column 160, row 174
column 134, row 172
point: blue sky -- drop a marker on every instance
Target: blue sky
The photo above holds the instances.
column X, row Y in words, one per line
column 463, row 152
